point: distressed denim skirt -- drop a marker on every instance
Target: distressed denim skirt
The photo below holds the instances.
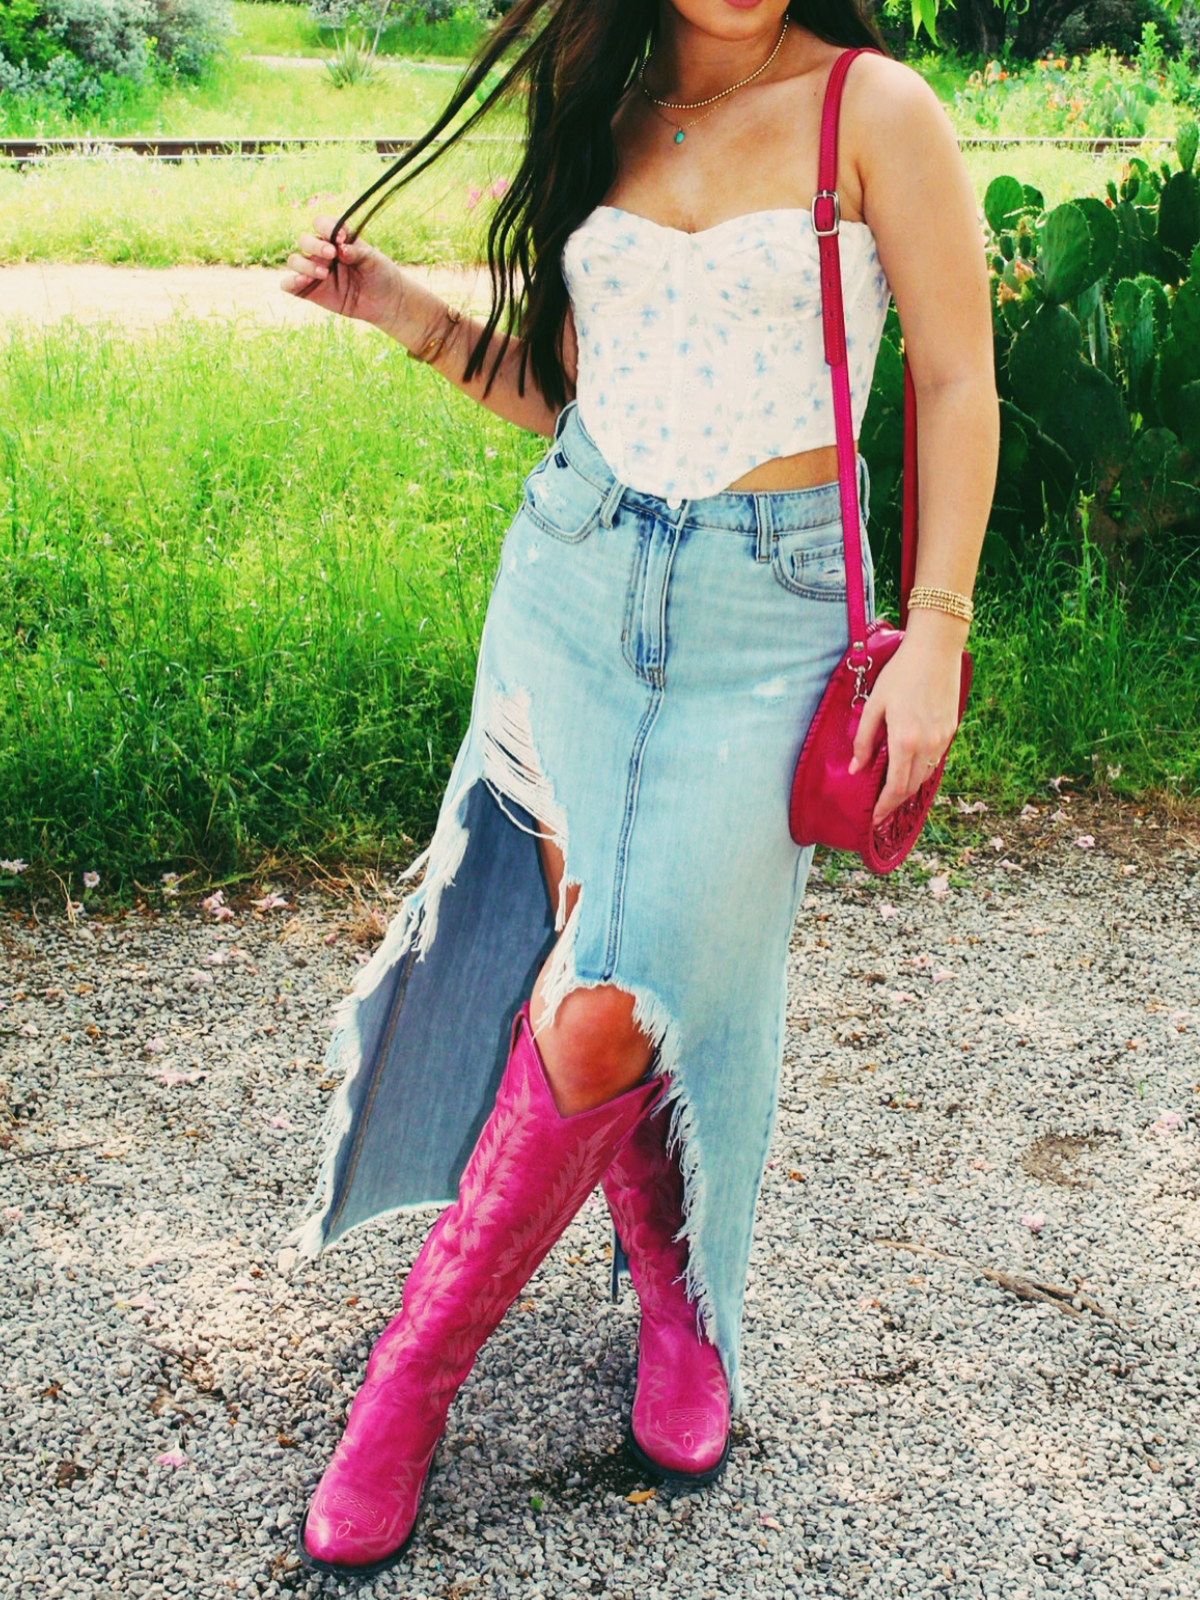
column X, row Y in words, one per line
column 646, row 678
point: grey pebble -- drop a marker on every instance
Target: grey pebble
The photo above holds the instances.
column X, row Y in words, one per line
column 914, row 1427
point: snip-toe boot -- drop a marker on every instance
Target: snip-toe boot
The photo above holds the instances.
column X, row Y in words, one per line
column 679, row 1427
column 529, row 1173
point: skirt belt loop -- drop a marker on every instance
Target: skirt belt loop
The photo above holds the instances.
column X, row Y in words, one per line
column 611, row 501
column 762, row 516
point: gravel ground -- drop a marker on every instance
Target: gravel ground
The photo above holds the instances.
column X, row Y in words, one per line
column 986, row 1088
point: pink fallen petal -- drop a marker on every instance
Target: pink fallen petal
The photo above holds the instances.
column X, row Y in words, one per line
column 330, row 938
column 922, row 960
column 270, row 902
column 12, row 1214
column 1085, row 841
column 213, row 901
column 942, row 974
column 171, row 1458
column 1058, row 816
column 278, row 1122
column 156, row 1045
column 900, row 996
column 1056, row 783
column 243, row 1286
column 223, row 913
column 769, row 1522
column 1035, row 1221
column 215, row 958
column 968, row 810
column 1027, row 813
column 996, row 842
column 1181, row 1016
column 29, row 1029
column 887, row 912
column 1128, row 870
column 1168, row 1122
column 938, row 886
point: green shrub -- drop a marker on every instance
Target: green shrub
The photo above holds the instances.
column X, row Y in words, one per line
column 66, row 53
column 24, row 36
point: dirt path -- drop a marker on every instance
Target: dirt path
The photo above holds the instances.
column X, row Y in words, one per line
column 142, row 297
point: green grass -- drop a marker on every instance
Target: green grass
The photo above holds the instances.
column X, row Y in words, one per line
column 241, row 585
column 286, row 30
column 242, row 578
column 148, row 213
column 153, row 213
column 245, row 99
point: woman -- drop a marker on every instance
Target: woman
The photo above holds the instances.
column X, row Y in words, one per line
column 612, row 871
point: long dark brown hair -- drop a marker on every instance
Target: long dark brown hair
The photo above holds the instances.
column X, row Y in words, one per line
column 577, row 58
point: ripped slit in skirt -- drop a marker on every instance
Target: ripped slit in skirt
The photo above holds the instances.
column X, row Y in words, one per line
column 646, row 677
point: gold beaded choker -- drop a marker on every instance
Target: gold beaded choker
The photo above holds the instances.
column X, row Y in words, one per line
column 694, row 105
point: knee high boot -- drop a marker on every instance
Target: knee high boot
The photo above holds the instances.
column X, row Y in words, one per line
column 529, row 1173
column 679, row 1426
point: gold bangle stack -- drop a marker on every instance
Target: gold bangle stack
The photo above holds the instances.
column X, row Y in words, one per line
column 948, row 600
column 432, row 347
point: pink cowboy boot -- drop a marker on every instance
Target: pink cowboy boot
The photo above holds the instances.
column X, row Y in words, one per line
column 529, row 1173
column 679, row 1426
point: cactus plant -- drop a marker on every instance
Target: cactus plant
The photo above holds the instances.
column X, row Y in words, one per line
column 1096, row 327
column 1179, row 215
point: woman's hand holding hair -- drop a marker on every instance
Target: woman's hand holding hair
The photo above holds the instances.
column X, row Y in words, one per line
column 916, row 697
column 369, row 286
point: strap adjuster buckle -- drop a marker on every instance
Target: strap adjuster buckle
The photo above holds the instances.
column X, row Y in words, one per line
column 831, row 195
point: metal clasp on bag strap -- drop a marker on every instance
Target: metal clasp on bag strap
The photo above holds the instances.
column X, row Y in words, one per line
column 826, row 194
column 860, row 677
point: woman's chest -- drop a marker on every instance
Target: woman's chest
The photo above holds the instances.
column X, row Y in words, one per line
column 757, row 268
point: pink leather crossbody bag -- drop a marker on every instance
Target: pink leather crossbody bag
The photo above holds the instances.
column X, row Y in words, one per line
column 829, row 805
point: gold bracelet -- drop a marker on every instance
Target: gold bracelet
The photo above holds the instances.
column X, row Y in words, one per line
column 432, row 347
column 948, row 600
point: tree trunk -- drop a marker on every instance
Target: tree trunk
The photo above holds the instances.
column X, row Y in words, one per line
column 1039, row 24
column 976, row 27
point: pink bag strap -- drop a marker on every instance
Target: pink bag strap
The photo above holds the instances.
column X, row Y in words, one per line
column 826, row 218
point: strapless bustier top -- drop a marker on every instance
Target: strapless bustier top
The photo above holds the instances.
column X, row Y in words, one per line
column 703, row 354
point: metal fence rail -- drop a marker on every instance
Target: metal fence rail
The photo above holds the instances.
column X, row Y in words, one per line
column 25, row 151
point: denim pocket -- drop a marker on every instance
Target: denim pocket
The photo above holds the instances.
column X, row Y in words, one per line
column 561, row 501
column 818, row 571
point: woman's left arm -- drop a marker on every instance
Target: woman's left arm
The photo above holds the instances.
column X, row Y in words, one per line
column 918, row 199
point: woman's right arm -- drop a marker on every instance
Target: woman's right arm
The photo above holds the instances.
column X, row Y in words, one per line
column 378, row 291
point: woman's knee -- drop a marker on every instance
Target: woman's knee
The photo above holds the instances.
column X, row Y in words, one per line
column 592, row 1049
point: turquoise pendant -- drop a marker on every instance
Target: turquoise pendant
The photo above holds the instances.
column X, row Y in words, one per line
column 679, row 136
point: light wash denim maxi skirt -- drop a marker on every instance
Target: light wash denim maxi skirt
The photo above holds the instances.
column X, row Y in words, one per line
column 646, row 677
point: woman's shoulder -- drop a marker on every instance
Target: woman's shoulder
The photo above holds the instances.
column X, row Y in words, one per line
column 888, row 97
column 888, row 109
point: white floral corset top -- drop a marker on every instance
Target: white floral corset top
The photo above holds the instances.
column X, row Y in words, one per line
column 703, row 354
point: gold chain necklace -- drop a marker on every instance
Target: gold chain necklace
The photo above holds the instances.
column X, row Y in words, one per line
column 694, row 105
